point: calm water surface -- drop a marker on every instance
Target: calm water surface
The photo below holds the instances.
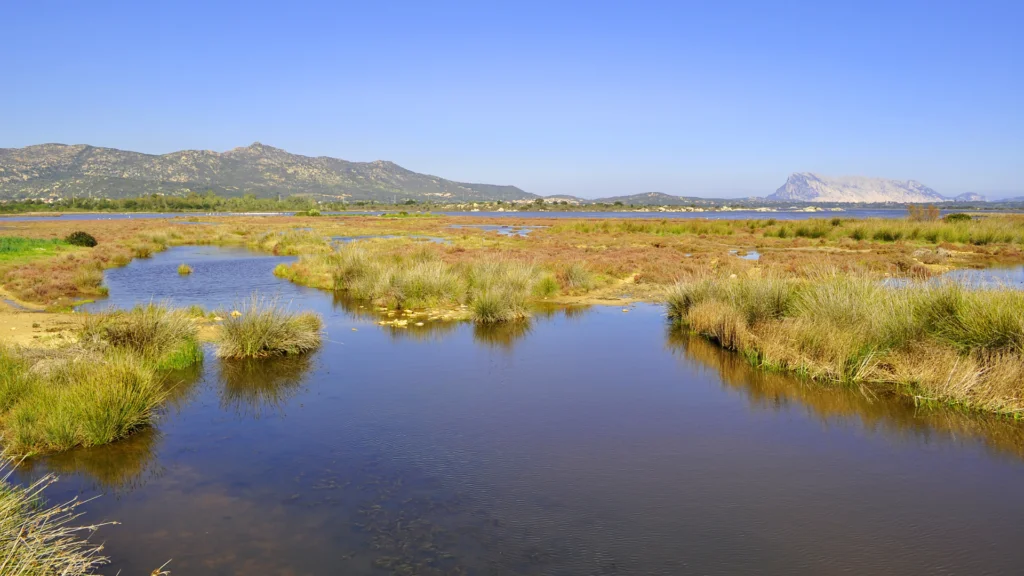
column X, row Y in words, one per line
column 593, row 441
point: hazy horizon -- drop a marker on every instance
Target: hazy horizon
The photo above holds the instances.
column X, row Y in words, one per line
column 588, row 99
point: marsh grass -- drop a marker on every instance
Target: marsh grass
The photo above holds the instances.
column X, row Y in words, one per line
column 184, row 269
column 41, row 540
column 264, row 328
column 79, row 400
column 165, row 337
column 402, row 275
column 937, row 342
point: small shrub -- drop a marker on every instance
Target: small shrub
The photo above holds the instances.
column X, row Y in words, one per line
column 80, row 238
column 184, row 269
column 957, row 217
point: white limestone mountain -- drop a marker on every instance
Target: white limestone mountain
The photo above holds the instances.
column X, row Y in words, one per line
column 808, row 187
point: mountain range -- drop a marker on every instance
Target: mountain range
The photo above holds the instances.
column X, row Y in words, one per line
column 60, row 171
column 52, row 171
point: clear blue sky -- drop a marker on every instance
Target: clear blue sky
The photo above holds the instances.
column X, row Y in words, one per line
column 589, row 98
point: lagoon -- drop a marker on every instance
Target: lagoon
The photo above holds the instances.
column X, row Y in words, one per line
column 592, row 441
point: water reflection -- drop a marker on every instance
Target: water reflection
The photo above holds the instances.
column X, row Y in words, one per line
column 181, row 385
column 503, row 336
column 119, row 467
column 876, row 410
column 257, row 387
column 128, row 463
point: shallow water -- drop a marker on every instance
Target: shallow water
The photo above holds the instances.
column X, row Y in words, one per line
column 591, row 441
column 501, row 229
column 747, row 255
column 1008, row 277
column 1011, row 277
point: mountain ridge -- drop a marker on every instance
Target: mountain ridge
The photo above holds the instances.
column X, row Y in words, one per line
column 62, row 170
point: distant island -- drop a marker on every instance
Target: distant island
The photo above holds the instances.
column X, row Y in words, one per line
column 809, row 187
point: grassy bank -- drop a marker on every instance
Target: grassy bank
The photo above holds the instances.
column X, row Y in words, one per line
column 40, row 540
column 936, row 342
column 400, row 274
column 96, row 391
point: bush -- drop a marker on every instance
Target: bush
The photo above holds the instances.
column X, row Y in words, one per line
column 184, row 269
column 80, row 238
column 263, row 328
column 957, row 217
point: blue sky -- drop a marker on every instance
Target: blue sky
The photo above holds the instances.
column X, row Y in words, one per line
column 588, row 98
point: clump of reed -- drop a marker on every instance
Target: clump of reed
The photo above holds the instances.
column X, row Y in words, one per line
column 396, row 274
column 184, row 269
column 78, row 399
column 165, row 337
column 937, row 342
column 36, row 539
column 264, row 328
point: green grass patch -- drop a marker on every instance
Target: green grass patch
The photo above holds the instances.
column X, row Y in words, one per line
column 13, row 248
